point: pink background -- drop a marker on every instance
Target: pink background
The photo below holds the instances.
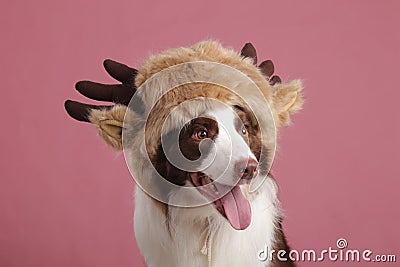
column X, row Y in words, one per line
column 67, row 200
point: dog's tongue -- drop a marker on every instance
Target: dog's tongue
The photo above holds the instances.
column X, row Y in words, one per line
column 237, row 207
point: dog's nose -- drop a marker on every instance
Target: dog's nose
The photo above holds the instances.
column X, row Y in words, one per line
column 247, row 168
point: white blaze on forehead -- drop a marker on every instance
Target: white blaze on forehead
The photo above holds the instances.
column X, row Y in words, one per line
column 230, row 146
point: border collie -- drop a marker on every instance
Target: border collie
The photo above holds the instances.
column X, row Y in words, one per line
column 195, row 149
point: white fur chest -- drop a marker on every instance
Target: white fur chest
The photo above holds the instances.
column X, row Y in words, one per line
column 195, row 240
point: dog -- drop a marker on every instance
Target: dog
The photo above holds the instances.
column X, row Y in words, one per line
column 195, row 149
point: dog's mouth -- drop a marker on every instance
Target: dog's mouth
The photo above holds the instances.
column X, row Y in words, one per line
column 230, row 201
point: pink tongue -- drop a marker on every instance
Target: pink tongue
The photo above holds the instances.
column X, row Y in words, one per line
column 237, row 207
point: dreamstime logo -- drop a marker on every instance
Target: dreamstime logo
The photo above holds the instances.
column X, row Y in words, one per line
column 340, row 254
column 138, row 130
column 341, row 243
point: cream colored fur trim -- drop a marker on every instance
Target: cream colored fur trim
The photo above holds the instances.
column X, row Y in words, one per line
column 287, row 100
column 109, row 124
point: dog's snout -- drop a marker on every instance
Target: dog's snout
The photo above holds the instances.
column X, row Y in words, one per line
column 247, row 168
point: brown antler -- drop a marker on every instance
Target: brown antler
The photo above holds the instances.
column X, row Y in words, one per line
column 266, row 67
column 116, row 93
column 249, row 51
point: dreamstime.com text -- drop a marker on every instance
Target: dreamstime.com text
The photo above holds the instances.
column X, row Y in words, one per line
column 338, row 254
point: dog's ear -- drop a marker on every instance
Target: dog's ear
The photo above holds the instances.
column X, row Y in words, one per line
column 109, row 124
column 287, row 99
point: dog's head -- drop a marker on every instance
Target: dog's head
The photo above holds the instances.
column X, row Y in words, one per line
column 201, row 135
column 216, row 152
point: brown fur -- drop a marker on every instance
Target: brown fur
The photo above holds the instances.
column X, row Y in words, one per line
column 281, row 244
column 189, row 146
column 189, row 141
column 253, row 131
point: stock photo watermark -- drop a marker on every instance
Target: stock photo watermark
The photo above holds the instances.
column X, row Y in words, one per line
column 340, row 253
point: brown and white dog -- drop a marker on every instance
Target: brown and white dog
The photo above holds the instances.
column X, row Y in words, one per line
column 217, row 131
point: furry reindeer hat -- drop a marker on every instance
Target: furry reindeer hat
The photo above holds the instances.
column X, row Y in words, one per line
column 283, row 98
column 183, row 82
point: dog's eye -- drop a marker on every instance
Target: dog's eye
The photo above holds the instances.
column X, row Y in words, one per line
column 244, row 131
column 201, row 134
